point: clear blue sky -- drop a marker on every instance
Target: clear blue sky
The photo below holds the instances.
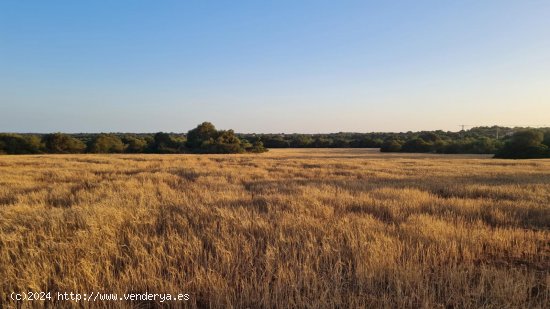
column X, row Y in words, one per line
column 272, row 66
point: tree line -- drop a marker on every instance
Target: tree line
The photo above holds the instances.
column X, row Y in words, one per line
column 205, row 138
column 522, row 144
column 504, row 142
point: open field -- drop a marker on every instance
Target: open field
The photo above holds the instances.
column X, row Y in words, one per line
column 342, row 228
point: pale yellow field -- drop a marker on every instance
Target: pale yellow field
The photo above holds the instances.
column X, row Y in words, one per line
column 288, row 228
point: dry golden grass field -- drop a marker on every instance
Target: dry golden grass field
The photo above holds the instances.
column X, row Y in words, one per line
column 321, row 228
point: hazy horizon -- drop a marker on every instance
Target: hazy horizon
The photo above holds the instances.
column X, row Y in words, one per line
column 283, row 67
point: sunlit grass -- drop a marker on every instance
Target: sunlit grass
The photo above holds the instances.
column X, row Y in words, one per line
column 289, row 228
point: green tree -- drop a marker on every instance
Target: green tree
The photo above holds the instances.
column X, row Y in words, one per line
column 164, row 143
column 485, row 145
column 276, row 142
column 366, row 142
column 321, row 142
column 226, row 142
column 258, row 147
column 134, row 144
column 254, row 146
column 391, row 145
column 339, row 143
column 206, row 139
column 525, row 144
column 430, row 137
column 416, row 145
column 301, row 141
column 246, row 145
column 20, row 144
column 546, row 140
column 203, row 133
column 106, row 143
column 62, row 143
